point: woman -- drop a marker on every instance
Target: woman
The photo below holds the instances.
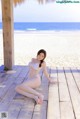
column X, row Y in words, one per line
column 28, row 87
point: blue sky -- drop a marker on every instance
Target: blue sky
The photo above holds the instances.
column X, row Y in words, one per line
column 31, row 11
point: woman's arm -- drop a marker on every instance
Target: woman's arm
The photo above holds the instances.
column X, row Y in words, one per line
column 47, row 74
column 45, row 71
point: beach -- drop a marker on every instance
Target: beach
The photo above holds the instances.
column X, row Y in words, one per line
column 62, row 47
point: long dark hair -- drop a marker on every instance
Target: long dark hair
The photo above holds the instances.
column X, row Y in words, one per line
column 44, row 52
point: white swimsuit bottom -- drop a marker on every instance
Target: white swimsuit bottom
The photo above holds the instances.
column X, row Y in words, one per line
column 34, row 77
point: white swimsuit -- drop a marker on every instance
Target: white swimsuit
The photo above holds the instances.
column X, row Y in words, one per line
column 34, row 65
column 34, row 70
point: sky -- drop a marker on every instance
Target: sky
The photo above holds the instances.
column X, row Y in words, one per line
column 32, row 11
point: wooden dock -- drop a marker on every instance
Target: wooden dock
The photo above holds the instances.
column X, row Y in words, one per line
column 61, row 100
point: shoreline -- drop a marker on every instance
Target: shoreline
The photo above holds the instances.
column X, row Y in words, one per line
column 63, row 47
column 42, row 31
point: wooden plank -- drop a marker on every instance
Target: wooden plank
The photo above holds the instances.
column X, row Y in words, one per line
column 7, row 83
column 40, row 111
column 5, row 102
column 21, row 73
column 1, row 68
column 66, row 110
column 6, row 87
column 53, row 100
column 43, row 111
column 14, row 108
column 76, row 76
column 11, row 73
column 74, row 93
column 65, row 102
column 63, row 89
column 24, row 72
column 18, row 70
column 8, row 79
column 4, row 106
column 21, row 109
column 26, row 111
column 14, row 75
column 5, row 76
column 7, row 18
column 1, row 71
column 10, row 94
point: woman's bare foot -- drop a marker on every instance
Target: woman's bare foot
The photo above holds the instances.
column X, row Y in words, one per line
column 41, row 97
column 38, row 101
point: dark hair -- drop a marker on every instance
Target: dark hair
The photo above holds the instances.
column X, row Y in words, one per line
column 44, row 52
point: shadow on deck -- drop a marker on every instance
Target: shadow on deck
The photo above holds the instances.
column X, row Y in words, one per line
column 61, row 100
column 16, row 105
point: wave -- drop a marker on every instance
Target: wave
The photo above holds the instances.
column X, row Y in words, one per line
column 31, row 29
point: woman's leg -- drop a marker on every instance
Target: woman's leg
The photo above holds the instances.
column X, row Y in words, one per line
column 28, row 87
column 29, row 95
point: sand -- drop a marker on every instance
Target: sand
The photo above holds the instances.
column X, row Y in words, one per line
column 63, row 47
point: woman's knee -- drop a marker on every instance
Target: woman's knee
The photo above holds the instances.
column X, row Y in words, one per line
column 21, row 86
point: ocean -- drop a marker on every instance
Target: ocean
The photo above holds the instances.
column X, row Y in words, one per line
column 30, row 26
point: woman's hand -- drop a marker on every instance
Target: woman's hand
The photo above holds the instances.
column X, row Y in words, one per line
column 52, row 81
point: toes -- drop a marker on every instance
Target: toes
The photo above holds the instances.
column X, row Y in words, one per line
column 41, row 97
column 39, row 101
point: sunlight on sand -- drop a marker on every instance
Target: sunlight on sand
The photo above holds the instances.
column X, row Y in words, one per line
column 63, row 47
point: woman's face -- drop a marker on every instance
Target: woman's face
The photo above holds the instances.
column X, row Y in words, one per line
column 40, row 56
